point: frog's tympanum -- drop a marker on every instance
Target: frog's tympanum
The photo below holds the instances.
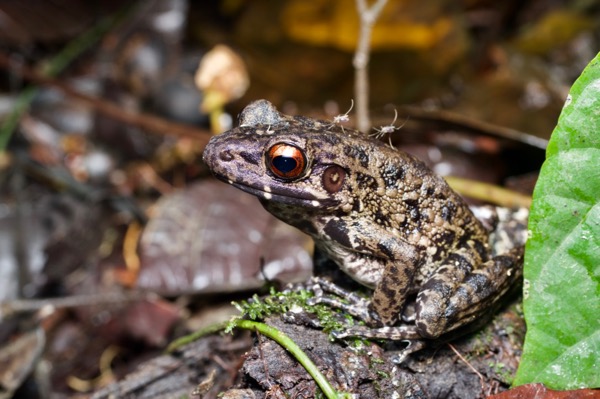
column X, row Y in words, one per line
column 380, row 214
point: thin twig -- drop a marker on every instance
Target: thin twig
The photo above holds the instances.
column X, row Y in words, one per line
column 367, row 16
column 59, row 62
column 9, row 308
column 146, row 122
column 456, row 120
column 20, row 244
column 481, row 379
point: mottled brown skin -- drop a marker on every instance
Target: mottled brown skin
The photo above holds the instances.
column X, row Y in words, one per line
column 380, row 214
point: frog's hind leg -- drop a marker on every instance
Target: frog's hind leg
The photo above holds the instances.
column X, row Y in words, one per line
column 457, row 294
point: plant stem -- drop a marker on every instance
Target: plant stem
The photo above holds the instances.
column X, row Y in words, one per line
column 196, row 335
column 285, row 341
column 367, row 16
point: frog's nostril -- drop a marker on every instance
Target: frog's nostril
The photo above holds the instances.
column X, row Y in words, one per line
column 226, row 156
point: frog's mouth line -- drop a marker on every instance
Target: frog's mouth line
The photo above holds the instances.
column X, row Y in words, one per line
column 275, row 197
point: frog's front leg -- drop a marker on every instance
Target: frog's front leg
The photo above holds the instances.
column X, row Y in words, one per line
column 457, row 294
column 390, row 293
column 378, row 260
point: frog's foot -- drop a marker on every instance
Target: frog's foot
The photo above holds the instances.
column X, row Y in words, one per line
column 405, row 334
column 302, row 317
column 413, row 346
column 345, row 300
column 399, row 333
column 298, row 286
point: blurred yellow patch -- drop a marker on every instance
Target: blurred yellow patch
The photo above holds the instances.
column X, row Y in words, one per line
column 552, row 30
column 402, row 24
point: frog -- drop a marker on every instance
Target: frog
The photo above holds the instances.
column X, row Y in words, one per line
column 379, row 214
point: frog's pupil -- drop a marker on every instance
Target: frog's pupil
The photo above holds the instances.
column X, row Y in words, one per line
column 284, row 164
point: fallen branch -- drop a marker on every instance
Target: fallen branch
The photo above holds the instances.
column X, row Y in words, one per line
column 453, row 119
column 17, row 306
column 59, row 62
column 144, row 121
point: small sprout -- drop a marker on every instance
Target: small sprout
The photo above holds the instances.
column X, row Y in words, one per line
column 376, row 360
column 276, row 302
column 382, row 374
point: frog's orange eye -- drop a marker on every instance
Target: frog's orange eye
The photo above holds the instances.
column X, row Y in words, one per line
column 286, row 161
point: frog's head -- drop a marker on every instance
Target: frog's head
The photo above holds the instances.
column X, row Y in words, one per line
column 294, row 161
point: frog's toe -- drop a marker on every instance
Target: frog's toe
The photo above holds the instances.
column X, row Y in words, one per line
column 359, row 310
column 321, row 285
column 347, row 301
column 398, row 333
column 301, row 317
column 405, row 333
column 414, row 345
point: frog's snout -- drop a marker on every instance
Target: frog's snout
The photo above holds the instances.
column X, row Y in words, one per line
column 226, row 156
column 221, row 158
column 212, row 154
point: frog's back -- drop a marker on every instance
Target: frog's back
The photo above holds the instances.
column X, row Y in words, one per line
column 345, row 176
column 400, row 193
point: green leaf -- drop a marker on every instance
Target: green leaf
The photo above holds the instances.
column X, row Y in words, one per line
column 562, row 258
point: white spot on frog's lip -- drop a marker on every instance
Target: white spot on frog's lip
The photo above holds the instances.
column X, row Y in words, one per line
column 229, row 181
column 267, row 189
column 277, row 196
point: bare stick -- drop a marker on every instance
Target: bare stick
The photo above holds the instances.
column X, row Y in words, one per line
column 9, row 308
column 469, row 365
column 147, row 122
column 58, row 63
column 367, row 16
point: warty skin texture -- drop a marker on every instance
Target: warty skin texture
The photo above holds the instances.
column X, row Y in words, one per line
column 380, row 214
